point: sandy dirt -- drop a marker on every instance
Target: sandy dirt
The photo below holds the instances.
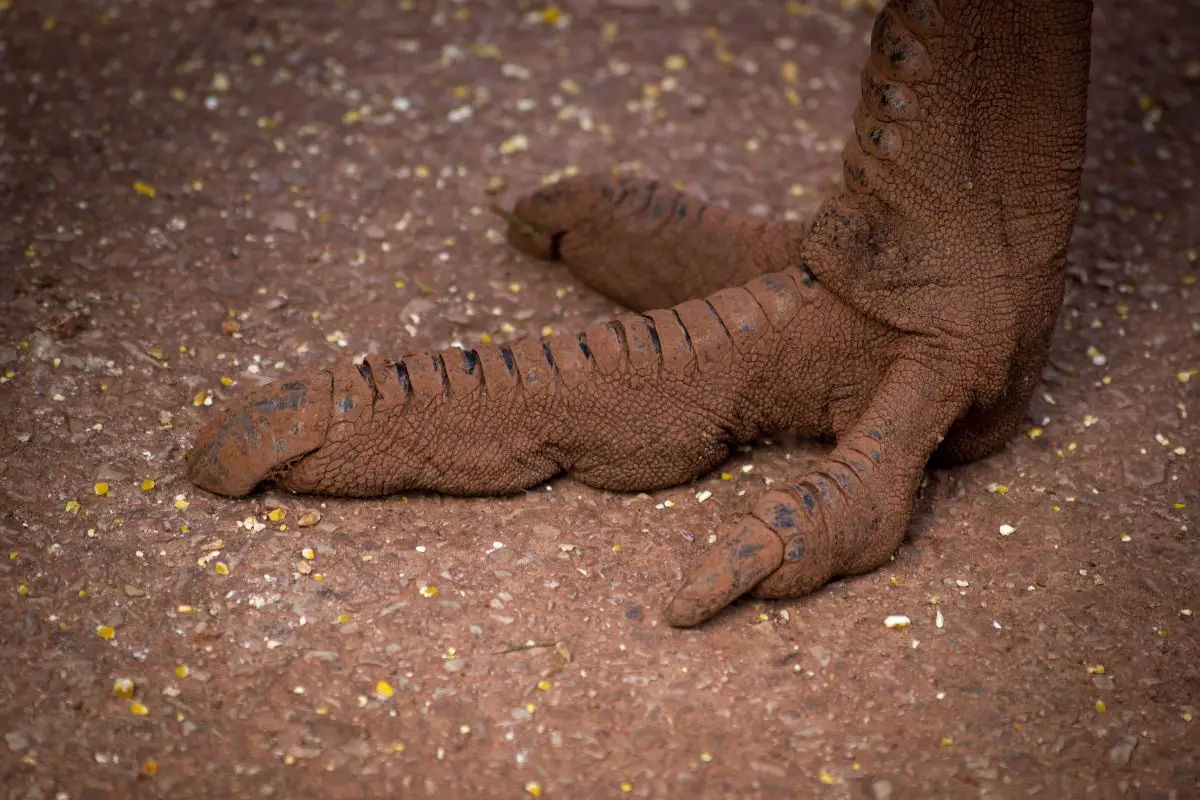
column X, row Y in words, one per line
column 196, row 198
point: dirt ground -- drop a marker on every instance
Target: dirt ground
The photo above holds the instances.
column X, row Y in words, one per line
column 199, row 197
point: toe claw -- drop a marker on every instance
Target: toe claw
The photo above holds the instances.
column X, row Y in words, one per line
column 526, row 235
column 258, row 434
column 751, row 552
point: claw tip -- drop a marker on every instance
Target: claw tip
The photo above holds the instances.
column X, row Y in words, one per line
column 751, row 552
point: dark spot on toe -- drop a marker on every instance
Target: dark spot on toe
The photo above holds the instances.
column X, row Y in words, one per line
column 402, row 376
column 822, row 488
column 774, row 282
column 470, row 361
column 795, row 549
column 655, row 342
column 783, row 515
column 810, row 502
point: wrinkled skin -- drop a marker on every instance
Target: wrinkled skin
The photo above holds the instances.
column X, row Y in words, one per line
column 909, row 320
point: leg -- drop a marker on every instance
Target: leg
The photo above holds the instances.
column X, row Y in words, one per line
column 645, row 245
column 961, row 247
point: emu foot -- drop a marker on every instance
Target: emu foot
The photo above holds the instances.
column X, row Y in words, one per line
column 910, row 320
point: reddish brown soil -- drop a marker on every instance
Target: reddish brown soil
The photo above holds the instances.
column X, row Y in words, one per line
column 329, row 203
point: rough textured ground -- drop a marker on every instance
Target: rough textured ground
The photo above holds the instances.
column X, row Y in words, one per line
column 195, row 201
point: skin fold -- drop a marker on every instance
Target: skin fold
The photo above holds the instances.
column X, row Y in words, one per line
column 909, row 321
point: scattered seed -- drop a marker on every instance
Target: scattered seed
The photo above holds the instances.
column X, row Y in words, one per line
column 429, row 591
column 515, row 144
column 123, row 688
column 533, row 789
column 73, row 506
column 105, row 632
column 1007, row 530
column 101, row 489
column 897, row 621
column 308, row 519
column 384, row 689
column 139, row 709
column 276, row 514
column 144, row 189
column 147, row 484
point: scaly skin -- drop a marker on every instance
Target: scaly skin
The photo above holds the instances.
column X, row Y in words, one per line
column 910, row 321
